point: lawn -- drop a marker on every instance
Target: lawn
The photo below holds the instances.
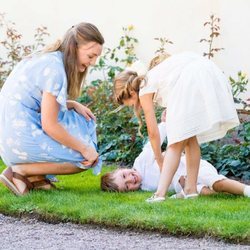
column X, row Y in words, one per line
column 78, row 199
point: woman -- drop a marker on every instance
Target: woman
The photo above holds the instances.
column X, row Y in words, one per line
column 41, row 131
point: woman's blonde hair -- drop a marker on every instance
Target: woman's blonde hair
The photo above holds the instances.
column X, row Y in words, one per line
column 79, row 34
column 124, row 83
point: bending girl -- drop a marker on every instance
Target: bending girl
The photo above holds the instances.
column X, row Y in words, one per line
column 200, row 109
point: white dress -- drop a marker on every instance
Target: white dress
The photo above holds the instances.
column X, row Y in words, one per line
column 149, row 170
column 197, row 96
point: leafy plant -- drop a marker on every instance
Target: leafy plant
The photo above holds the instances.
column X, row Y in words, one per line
column 162, row 47
column 231, row 155
column 239, row 86
column 13, row 47
column 214, row 27
column 115, row 60
column 127, row 45
column 231, row 159
column 117, row 132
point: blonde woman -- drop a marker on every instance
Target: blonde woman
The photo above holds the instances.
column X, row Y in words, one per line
column 200, row 108
column 41, row 132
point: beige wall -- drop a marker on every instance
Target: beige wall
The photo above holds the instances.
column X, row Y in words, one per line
column 179, row 20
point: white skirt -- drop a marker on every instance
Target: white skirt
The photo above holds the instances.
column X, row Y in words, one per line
column 199, row 103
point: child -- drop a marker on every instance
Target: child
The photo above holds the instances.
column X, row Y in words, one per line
column 41, row 131
column 200, row 109
column 145, row 175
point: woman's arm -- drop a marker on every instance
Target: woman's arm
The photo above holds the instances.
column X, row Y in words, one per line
column 153, row 131
column 81, row 109
column 50, row 124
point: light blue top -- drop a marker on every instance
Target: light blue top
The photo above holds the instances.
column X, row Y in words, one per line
column 22, row 139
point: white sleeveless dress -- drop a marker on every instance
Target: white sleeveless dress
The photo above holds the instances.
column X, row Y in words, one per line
column 197, row 96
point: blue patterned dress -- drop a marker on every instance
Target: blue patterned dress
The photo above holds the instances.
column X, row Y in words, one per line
column 22, row 139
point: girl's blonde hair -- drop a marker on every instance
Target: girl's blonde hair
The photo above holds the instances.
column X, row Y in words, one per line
column 79, row 34
column 128, row 81
column 124, row 83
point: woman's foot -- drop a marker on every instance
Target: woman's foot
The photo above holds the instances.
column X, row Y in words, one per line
column 20, row 180
column 22, row 183
column 6, row 178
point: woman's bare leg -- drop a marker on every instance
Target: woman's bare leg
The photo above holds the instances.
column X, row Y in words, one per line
column 229, row 186
column 43, row 168
column 192, row 151
column 170, row 165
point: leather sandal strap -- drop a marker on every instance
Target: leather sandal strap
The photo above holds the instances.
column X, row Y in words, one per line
column 23, row 179
column 41, row 183
column 36, row 178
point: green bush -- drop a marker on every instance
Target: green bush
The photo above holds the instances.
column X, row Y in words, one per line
column 117, row 132
column 231, row 159
column 118, row 137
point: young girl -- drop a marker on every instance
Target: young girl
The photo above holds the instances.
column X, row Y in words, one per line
column 200, row 108
column 41, row 132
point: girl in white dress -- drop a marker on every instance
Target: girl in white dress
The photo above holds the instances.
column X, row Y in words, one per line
column 199, row 105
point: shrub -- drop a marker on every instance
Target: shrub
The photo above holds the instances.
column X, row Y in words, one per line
column 231, row 159
column 13, row 47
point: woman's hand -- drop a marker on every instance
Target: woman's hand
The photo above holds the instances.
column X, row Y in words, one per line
column 81, row 109
column 90, row 155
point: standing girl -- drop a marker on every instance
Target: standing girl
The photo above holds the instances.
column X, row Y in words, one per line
column 41, row 132
column 200, row 109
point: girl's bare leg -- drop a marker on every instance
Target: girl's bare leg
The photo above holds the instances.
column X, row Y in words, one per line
column 192, row 151
column 43, row 168
column 207, row 191
column 170, row 165
column 229, row 186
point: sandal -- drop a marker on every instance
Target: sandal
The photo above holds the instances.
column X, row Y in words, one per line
column 41, row 182
column 182, row 195
column 32, row 182
column 7, row 179
column 155, row 198
column 24, row 179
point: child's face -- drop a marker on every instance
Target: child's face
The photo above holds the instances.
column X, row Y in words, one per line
column 127, row 180
column 87, row 55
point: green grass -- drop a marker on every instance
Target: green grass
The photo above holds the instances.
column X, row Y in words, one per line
column 78, row 199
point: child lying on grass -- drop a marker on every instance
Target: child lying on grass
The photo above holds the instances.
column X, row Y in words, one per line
column 145, row 175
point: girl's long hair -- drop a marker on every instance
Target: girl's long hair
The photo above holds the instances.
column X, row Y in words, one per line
column 124, row 83
column 128, row 81
column 79, row 34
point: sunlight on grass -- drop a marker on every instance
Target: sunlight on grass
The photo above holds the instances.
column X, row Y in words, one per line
column 78, row 198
